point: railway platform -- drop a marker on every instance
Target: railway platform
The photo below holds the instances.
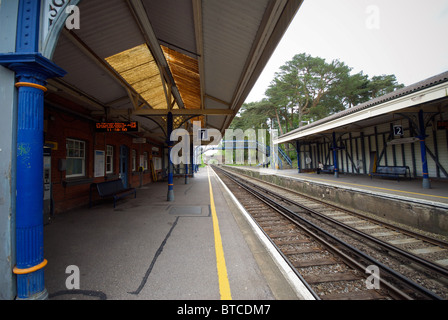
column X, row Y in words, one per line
column 151, row 249
column 403, row 201
column 411, row 189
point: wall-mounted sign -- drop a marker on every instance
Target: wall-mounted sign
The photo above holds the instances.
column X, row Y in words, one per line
column 139, row 140
column 130, row 126
column 52, row 145
column 398, row 130
column 403, row 141
column 99, row 163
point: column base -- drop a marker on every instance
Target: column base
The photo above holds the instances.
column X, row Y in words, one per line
column 170, row 196
column 38, row 296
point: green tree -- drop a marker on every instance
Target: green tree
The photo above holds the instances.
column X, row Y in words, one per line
column 381, row 85
column 255, row 115
column 308, row 89
column 302, row 83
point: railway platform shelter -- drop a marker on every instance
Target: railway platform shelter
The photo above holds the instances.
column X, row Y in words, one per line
column 403, row 130
column 92, row 90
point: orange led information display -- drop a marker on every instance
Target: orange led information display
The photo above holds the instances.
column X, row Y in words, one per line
column 131, row 126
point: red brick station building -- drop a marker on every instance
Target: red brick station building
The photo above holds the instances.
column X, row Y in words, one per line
column 81, row 154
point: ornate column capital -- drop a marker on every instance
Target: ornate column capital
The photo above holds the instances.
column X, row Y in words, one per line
column 31, row 67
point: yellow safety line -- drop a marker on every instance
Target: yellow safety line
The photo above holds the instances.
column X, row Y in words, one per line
column 365, row 186
column 224, row 287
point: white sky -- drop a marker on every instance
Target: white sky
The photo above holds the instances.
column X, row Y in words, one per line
column 408, row 38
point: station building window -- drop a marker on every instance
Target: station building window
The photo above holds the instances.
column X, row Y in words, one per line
column 76, row 158
column 144, row 161
column 109, row 159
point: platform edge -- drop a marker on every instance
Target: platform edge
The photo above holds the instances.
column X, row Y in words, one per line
column 296, row 284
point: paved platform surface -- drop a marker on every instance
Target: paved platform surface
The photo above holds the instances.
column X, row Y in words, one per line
column 148, row 248
column 411, row 189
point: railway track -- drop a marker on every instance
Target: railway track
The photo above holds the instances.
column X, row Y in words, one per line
column 335, row 259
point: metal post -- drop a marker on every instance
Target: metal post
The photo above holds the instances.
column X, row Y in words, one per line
column 426, row 183
column 192, row 159
column 169, row 125
column 335, row 156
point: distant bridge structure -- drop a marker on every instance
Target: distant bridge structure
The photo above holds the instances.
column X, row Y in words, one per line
column 280, row 157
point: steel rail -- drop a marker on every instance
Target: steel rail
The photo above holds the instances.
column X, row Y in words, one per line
column 371, row 260
column 415, row 258
column 347, row 259
column 411, row 233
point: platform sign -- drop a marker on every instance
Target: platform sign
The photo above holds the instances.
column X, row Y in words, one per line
column 139, row 140
column 130, row 126
column 398, row 130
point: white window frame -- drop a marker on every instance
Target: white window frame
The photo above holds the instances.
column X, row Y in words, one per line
column 144, row 160
column 77, row 151
column 109, row 159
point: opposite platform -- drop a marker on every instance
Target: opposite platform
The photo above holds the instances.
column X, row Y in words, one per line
column 149, row 248
column 412, row 189
column 404, row 201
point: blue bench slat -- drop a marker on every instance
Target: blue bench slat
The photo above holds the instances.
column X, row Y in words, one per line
column 391, row 171
column 328, row 168
column 113, row 188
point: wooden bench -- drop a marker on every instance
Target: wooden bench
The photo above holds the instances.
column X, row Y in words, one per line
column 392, row 171
column 111, row 189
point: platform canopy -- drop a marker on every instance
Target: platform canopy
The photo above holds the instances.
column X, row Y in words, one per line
column 137, row 60
column 429, row 95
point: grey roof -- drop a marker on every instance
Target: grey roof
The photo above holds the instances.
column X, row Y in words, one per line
column 430, row 82
column 230, row 42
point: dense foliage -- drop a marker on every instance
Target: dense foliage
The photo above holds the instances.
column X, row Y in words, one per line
column 307, row 89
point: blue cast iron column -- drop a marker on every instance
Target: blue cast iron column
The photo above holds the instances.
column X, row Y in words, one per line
column 426, row 183
column 32, row 70
column 335, row 156
column 169, row 125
